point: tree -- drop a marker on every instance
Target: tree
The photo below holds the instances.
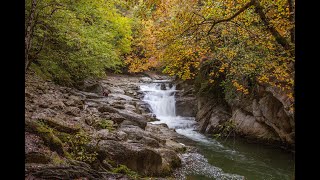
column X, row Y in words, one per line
column 251, row 41
column 71, row 40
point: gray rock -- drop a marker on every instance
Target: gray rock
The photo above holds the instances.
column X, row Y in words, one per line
column 122, row 136
column 186, row 106
column 137, row 119
column 135, row 156
column 107, row 109
column 104, row 134
column 73, row 111
column 92, row 86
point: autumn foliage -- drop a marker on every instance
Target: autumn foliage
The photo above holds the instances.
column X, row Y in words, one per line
column 249, row 41
column 252, row 40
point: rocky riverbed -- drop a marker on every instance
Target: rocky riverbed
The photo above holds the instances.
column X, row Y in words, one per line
column 81, row 134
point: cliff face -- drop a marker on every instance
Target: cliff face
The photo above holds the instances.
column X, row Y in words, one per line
column 264, row 116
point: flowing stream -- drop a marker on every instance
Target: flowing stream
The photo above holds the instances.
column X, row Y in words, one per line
column 218, row 159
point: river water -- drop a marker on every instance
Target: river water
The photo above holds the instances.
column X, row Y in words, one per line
column 228, row 158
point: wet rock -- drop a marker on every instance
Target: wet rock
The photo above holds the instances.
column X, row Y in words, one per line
column 211, row 115
column 69, row 102
column 145, row 80
column 74, row 101
column 131, row 92
column 194, row 163
column 163, row 86
column 92, row 96
column 186, row 106
column 34, row 143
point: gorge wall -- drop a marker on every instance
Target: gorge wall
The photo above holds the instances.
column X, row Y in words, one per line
column 261, row 117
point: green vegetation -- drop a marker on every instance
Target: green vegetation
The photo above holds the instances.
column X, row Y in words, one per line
column 69, row 145
column 241, row 42
column 123, row 169
column 68, row 41
column 77, row 145
column 105, row 124
column 225, row 129
column 49, row 137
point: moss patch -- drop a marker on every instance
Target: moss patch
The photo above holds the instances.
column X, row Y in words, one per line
column 123, row 169
column 46, row 133
column 71, row 146
column 78, row 147
column 105, row 124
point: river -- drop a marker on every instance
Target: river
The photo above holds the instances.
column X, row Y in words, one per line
column 231, row 155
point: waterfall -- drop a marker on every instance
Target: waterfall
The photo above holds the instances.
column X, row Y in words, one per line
column 160, row 97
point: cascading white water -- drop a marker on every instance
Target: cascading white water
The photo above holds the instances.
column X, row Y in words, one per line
column 160, row 96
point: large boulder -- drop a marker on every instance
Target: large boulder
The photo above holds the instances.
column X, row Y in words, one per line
column 248, row 126
column 211, row 116
column 92, row 86
column 135, row 156
column 263, row 117
column 186, row 106
column 139, row 120
column 73, row 170
column 186, row 101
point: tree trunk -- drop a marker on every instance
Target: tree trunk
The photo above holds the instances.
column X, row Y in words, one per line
column 28, row 33
column 292, row 18
column 280, row 39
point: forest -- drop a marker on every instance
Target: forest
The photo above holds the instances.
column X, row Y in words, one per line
column 238, row 53
column 245, row 41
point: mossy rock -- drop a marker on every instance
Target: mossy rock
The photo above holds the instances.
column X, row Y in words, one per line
column 57, row 160
column 37, row 157
column 60, row 125
column 123, row 169
column 105, row 124
column 46, row 133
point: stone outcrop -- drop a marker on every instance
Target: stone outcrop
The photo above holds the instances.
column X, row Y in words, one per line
column 185, row 100
column 114, row 130
column 263, row 117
